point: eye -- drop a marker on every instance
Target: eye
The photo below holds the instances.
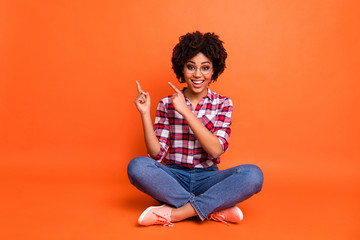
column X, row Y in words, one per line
column 205, row 68
column 190, row 67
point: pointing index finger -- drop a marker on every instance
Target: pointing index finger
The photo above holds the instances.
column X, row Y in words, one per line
column 173, row 87
column 138, row 87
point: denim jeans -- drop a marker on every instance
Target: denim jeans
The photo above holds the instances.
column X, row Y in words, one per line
column 207, row 189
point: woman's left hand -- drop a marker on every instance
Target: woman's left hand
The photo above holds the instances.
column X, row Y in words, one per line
column 178, row 100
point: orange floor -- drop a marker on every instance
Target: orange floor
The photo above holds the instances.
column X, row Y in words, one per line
column 67, row 86
column 70, row 195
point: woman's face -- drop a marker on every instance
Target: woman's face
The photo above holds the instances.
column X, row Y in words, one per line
column 197, row 73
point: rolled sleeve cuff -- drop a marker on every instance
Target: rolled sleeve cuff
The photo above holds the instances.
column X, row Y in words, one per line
column 224, row 143
column 161, row 154
column 158, row 157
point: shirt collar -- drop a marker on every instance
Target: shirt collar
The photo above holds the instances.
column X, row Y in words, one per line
column 209, row 94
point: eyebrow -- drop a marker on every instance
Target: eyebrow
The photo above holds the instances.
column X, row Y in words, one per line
column 195, row 63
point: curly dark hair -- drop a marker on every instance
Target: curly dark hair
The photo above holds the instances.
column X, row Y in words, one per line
column 191, row 44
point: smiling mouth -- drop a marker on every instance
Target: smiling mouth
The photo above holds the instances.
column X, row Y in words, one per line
column 197, row 82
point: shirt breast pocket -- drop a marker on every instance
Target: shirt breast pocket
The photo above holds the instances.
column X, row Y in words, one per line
column 209, row 121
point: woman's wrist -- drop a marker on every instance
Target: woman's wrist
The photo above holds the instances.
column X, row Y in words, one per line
column 186, row 112
column 145, row 114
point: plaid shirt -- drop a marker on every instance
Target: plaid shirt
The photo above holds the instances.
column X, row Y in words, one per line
column 178, row 140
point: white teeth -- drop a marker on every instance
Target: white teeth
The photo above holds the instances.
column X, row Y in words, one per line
column 197, row 82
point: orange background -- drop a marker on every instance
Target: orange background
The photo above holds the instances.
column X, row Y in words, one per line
column 68, row 125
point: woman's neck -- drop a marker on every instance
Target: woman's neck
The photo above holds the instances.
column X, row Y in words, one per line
column 194, row 98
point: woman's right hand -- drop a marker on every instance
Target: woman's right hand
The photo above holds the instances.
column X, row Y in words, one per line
column 142, row 101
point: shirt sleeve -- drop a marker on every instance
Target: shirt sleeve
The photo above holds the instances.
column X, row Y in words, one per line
column 222, row 123
column 162, row 130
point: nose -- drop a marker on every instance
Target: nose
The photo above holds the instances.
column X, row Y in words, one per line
column 197, row 72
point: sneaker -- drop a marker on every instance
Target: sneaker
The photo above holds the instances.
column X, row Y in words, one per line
column 232, row 214
column 156, row 215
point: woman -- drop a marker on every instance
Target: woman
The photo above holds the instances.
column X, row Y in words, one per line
column 191, row 131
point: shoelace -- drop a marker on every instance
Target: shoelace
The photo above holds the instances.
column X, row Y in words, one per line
column 217, row 218
column 165, row 221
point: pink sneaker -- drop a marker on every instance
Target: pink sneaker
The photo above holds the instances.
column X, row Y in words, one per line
column 232, row 214
column 156, row 215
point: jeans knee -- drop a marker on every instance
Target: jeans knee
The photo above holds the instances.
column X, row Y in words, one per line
column 135, row 167
column 256, row 177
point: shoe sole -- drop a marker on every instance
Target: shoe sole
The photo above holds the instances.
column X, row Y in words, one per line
column 240, row 213
column 146, row 211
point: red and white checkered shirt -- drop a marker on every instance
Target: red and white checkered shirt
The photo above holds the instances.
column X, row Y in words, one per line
column 178, row 140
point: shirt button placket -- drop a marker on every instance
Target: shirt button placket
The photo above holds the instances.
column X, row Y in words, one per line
column 192, row 144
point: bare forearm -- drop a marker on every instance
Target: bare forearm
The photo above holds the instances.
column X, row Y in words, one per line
column 208, row 140
column 151, row 141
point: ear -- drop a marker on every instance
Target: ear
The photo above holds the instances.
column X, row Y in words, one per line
column 212, row 75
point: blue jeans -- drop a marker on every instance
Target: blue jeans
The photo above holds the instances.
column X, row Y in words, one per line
column 207, row 189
